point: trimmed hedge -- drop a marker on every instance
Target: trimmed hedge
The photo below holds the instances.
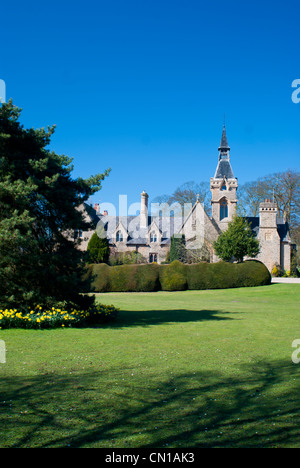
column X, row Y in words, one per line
column 173, row 277
column 177, row 276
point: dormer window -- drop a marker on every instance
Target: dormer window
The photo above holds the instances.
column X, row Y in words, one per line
column 119, row 237
column 153, row 237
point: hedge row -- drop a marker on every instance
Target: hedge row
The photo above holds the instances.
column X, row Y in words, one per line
column 177, row 276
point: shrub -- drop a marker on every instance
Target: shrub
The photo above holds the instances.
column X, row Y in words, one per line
column 219, row 275
column 147, row 278
column 198, row 276
column 254, row 273
column 99, row 277
column 122, row 278
column 172, row 277
column 177, row 276
column 222, row 275
column 126, row 258
column 177, row 248
column 277, row 271
column 98, row 249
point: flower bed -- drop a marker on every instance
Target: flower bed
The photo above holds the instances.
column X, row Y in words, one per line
column 54, row 318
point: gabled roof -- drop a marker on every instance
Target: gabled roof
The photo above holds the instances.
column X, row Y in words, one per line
column 136, row 234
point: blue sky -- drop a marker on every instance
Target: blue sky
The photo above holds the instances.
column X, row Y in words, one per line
column 142, row 86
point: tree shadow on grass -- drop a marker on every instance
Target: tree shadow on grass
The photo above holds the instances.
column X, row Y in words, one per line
column 258, row 406
column 149, row 318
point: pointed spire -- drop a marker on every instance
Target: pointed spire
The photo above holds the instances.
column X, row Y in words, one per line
column 224, row 169
column 224, row 142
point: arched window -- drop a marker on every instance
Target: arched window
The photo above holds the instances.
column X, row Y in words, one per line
column 119, row 236
column 223, row 210
column 153, row 237
column 224, row 187
column 153, row 258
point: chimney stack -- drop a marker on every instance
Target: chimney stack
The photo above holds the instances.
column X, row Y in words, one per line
column 144, row 210
column 268, row 214
column 97, row 207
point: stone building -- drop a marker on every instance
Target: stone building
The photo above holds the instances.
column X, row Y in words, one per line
column 223, row 187
column 150, row 235
column 273, row 235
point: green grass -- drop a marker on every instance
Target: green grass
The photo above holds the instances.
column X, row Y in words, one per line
column 184, row 369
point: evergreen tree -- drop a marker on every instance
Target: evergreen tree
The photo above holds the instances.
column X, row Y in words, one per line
column 177, row 248
column 237, row 242
column 40, row 208
column 98, row 249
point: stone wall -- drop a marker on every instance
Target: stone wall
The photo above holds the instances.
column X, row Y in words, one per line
column 218, row 195
column 269, row 243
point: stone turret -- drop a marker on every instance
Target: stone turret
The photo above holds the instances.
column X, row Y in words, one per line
column 269, row 239
column 268, row 215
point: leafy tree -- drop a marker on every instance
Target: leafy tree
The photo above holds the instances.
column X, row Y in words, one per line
column 40, row 208
column 177, row 248
column 98, row 249
column 237, row 242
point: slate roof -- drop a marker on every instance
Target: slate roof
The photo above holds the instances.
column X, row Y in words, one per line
column 136, row 235
column 92, row 213
column 224, row 169
column 282, row 227
column 167, row 225
column 224, row 142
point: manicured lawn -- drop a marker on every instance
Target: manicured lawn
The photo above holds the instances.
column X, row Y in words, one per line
column 187, row 369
